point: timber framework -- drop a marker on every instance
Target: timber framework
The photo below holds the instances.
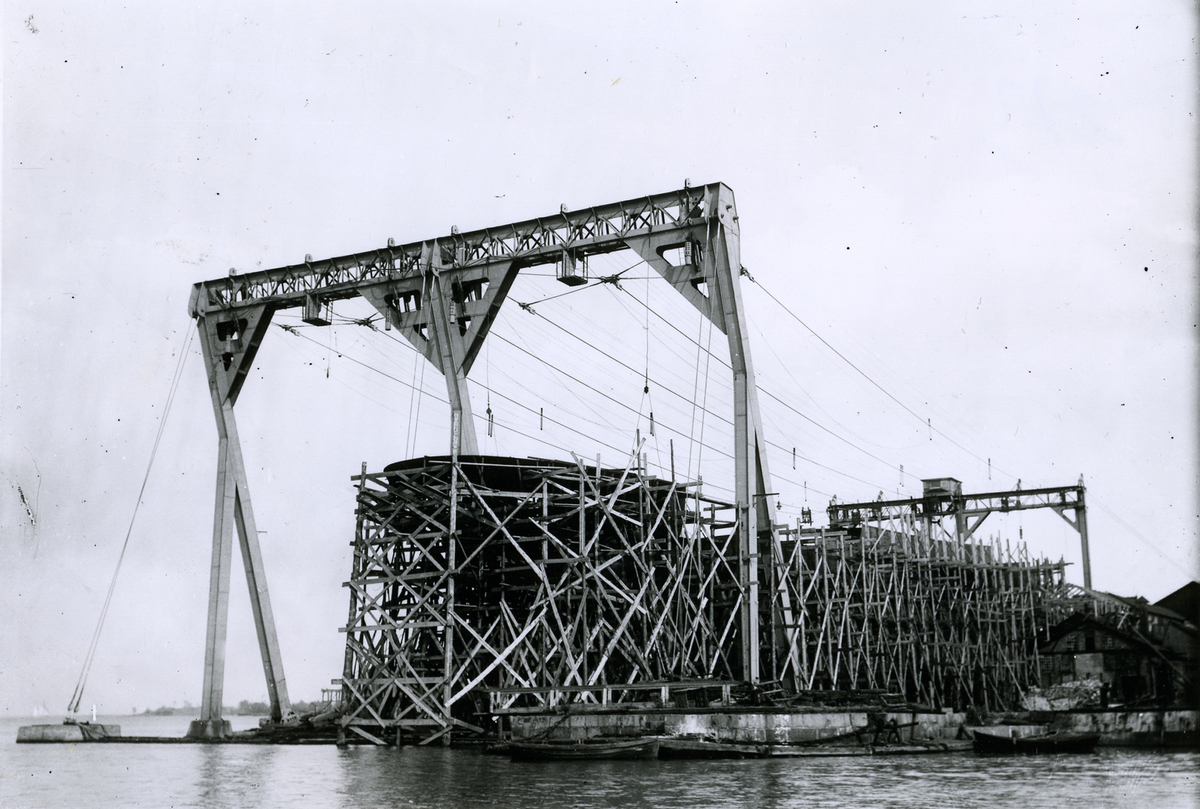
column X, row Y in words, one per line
column 533, row 579
column 490, row 586
column 946, row 623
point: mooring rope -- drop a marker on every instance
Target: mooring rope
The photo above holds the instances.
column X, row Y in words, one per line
column 73, row 706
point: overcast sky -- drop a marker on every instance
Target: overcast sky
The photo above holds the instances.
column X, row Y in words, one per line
column 978, row 220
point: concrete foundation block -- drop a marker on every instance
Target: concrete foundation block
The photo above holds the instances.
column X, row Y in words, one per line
column 206, row 729
column 49, row 733
column 66, row 733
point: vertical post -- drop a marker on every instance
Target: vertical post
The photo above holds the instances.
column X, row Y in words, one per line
column 583, row 568
column 1081, row 525
column 752, row 477
column 450, row 351
column 721, row 304
column 725, row 266
column 356, row 598
column 210, row 724
column 543, row 678
column 451, row 553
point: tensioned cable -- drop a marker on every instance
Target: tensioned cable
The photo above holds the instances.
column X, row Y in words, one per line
column 568, row 332
column 571, row 291
column 808, row 460
column 807, row 418
column 768, row 393
column 692, row 400
column 1137, row 535
column 607, row 279
column 582, row 401
column 624, row 365
column 574, row 379
column 549, row 365
column 695, row 443
column 783, row 366
column 300, row 353
column 528, row 307
column 435, row 397
column 825, row 429
column 702, row 407
column 383, row 373
column 77, row 695
column 927, row 422
column 844, row 440
column 721, row 361
column 423, row 392
column 710, row 355
column 697, row 405
column 790, row 407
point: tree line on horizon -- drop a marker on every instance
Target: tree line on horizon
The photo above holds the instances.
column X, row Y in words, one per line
column 243, row 708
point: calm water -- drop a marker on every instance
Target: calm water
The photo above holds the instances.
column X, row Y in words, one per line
column 294, row 777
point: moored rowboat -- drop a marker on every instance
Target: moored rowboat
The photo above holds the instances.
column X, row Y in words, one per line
column 584, row 751
column 1052, row 742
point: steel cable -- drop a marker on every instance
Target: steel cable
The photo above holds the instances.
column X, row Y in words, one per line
column 77, row 695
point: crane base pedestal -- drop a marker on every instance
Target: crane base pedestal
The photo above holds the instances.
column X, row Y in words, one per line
column 209, row 729
column 69, row 732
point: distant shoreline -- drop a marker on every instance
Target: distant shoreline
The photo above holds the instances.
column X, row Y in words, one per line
column 243, row 708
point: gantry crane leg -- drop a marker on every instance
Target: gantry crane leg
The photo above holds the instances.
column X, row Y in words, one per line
column 229, row 345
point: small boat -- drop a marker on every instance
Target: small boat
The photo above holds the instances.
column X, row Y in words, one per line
column 1052, row 742
column 681, row 747
column 591, row 749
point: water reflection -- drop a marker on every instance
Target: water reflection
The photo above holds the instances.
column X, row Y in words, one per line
column 237, row 775
column 221, row 776
column 438, row 779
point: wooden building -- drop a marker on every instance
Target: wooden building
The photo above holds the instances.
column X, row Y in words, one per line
column 1141, row 654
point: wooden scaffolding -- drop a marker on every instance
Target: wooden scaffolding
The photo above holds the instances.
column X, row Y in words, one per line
column 483, row 586
column 893, row 607
column 541, row 581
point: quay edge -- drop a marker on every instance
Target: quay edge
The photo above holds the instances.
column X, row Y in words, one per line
column 1177, row 729
column 755, row 726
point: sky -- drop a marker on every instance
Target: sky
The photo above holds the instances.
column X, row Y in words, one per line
column 970, row 233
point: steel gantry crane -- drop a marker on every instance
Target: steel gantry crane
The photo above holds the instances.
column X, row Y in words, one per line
column 443, row 295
